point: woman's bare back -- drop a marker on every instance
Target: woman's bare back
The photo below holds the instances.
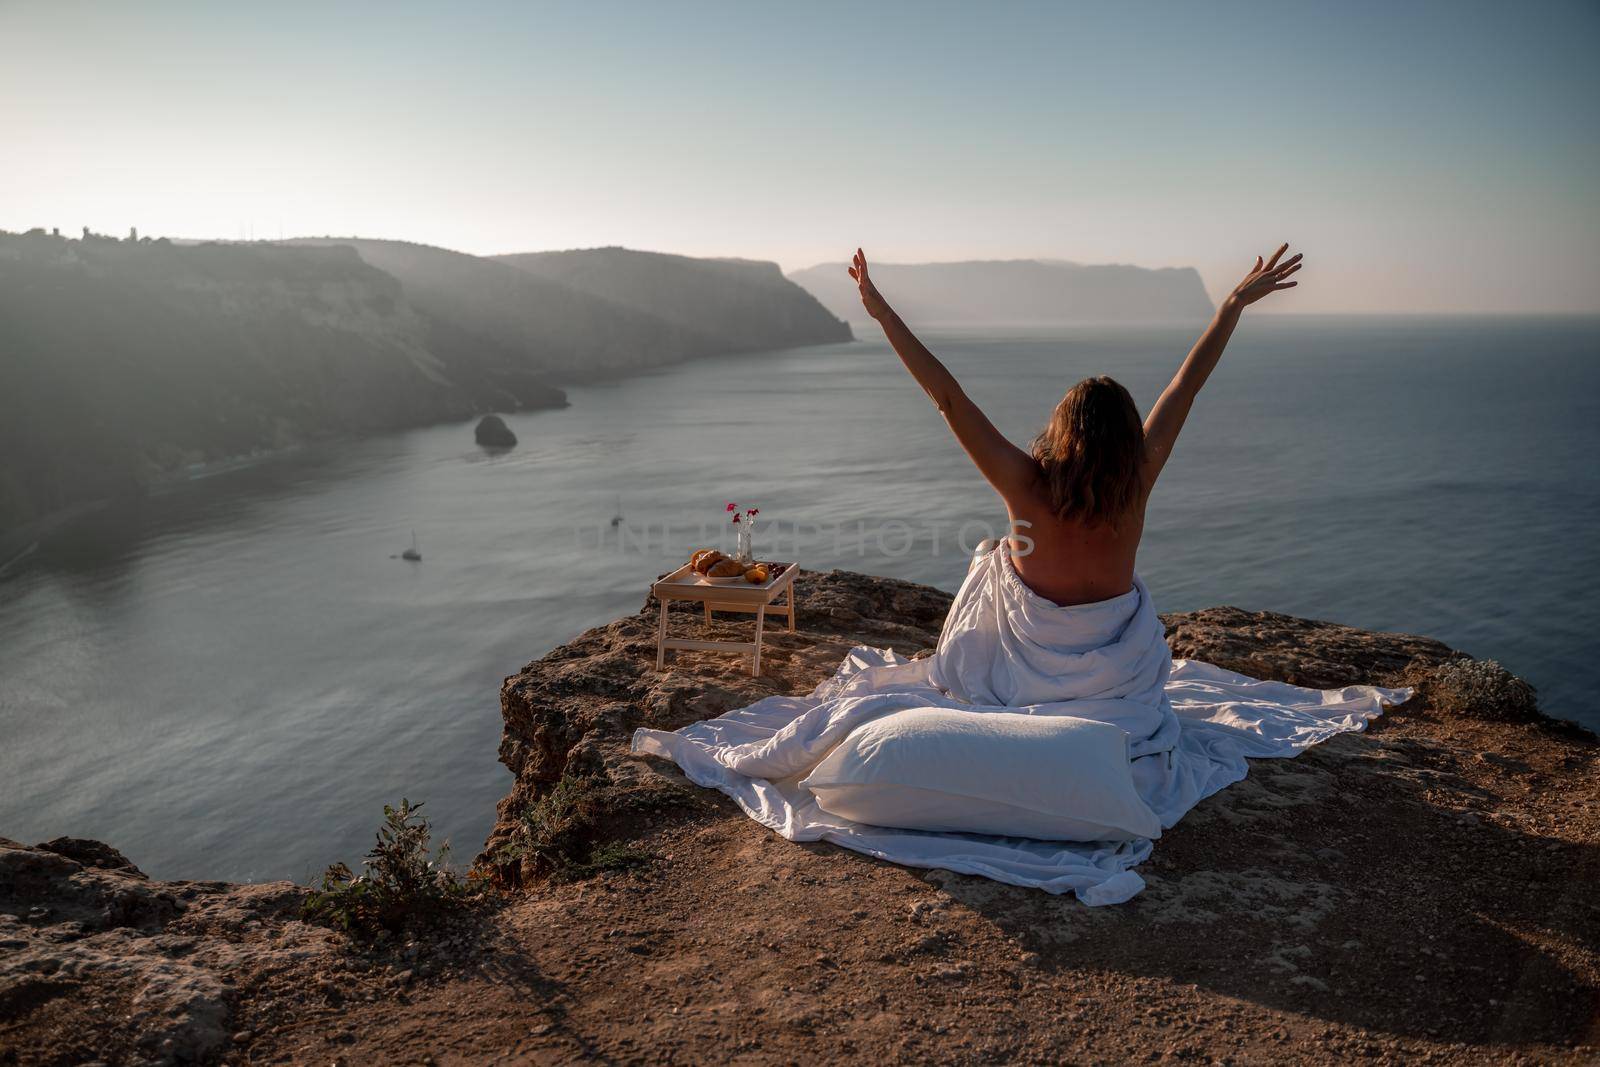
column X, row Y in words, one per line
column 1072, row 562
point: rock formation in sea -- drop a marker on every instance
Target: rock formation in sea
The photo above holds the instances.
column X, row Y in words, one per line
column 1017, row 291
column 1420, row 892
column 492, row 432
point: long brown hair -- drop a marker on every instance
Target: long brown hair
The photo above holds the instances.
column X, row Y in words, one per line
column 1091, row 452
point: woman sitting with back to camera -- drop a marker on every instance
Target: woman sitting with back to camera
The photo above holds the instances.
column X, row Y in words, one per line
column 1081, row 495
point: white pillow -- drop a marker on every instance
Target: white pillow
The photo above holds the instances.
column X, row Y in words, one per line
column 988, row 772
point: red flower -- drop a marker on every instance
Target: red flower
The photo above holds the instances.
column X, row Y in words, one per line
column 736, row 518
column 732, row 507
column 754, row 511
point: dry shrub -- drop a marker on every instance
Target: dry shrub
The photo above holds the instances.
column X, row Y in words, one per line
column 1478, row 689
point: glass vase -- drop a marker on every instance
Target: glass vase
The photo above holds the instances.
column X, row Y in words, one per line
column 742, row 548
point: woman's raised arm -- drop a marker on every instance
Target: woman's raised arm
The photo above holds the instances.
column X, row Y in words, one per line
column 1170, row 411
column 1003, row 464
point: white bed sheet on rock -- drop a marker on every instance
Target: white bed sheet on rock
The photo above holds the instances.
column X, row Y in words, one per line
column 1191, row 726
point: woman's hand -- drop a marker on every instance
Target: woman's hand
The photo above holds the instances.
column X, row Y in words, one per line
column 871, row 299
column 1265, row 278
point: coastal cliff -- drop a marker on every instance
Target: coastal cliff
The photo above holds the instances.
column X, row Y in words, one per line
column 130, row 362
column 731, row 305
column 578, row 315
column 1418, row 892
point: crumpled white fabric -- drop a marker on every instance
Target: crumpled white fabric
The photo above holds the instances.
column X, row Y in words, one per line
column 1190, row 725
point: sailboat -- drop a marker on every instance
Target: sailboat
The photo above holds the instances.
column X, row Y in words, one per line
column 616, row 520
column 412, row 553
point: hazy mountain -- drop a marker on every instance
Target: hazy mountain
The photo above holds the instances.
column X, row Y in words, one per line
column 613, row 312
column 1016, row 291
column 735, row 304
column 124, row 362
column 553, row 328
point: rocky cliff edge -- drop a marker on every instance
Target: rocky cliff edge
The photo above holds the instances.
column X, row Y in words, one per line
column 1419, row 892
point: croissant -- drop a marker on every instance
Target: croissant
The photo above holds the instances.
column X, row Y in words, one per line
column 706, row 558
column 725, row 568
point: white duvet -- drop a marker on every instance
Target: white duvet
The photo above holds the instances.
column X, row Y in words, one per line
column 1190, row 726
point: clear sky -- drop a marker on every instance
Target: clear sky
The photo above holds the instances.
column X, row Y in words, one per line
column 1426, row 156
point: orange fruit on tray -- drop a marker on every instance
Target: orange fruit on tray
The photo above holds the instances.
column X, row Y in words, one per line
column 756, row 575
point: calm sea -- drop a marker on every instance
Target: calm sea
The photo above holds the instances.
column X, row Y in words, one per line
column 230, row 682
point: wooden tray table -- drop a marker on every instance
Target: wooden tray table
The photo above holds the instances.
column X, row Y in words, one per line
column 685, row 584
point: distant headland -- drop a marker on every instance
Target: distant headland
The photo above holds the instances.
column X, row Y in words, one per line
column 1018, row 292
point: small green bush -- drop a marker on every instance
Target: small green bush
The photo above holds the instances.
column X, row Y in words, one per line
column 555, row 835
column 609, row 857
column 400, row 888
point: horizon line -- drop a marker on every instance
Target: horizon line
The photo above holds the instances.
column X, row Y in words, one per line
column 788, row 273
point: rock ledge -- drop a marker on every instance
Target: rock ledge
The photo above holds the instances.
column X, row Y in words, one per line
column 1419, row 892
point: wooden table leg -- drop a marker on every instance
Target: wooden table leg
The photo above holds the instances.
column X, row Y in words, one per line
column 791, row 607
column 708, row 613
column 661, row 637
column 755, row 658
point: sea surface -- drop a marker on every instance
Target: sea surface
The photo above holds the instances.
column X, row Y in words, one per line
column 231, row 680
